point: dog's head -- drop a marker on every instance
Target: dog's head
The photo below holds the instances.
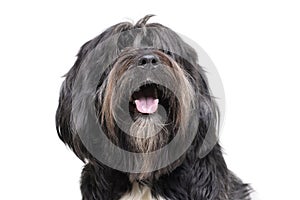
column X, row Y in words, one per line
column 143, row 86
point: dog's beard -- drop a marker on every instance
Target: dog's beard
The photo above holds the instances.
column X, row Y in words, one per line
column 143, row 127
column 146, row 126
column 145, row 133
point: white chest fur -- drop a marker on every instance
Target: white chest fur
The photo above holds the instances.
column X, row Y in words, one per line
column 139, row 193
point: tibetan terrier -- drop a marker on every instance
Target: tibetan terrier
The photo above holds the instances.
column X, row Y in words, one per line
column 137, row 109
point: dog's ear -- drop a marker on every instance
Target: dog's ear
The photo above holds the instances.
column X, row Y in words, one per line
column 208, row 129
column 64, row 123
column 63, row 112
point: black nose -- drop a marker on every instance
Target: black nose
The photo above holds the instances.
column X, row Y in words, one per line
column 148, row 61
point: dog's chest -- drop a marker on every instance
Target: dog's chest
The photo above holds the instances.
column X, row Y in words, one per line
column 139, row 193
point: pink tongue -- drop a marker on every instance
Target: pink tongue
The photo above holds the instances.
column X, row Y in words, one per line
column 146, row 105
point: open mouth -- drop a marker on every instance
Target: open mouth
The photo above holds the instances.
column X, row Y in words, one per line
column 146, row 105
column 145, row 100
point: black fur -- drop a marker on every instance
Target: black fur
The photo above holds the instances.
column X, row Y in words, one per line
column 193, row 178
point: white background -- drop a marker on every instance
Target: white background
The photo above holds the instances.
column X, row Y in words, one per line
column 255, row 46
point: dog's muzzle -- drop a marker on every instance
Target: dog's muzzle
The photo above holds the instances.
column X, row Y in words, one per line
column 145, row 99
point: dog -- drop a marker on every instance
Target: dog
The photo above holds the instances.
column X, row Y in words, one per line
column 137, row 109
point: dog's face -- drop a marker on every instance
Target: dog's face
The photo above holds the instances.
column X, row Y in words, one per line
column 145, row 88
column 153, row 90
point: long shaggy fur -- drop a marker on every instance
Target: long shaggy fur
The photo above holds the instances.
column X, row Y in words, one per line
column 193, row 175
